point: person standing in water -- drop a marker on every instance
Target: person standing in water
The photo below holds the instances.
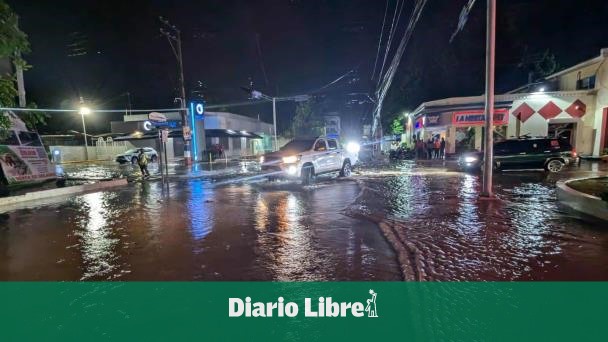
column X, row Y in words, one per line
column 142, row 161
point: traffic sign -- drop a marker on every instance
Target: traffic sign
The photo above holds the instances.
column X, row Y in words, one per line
column 157, row 117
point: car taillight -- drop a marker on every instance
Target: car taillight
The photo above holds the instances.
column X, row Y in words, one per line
column 574, row 153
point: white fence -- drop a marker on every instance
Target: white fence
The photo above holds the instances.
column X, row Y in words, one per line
column 102, row 149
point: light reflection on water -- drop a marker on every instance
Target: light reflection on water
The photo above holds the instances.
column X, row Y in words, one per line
column 96, row 237
column 200, row 215
column 450, row 234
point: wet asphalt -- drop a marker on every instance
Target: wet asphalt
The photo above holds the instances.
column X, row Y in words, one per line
column 397, row 221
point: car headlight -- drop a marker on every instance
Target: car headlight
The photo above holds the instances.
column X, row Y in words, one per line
column 291, row 170
column 469, row 159
column 291, row 159
column 261, row 159
column 353, row 147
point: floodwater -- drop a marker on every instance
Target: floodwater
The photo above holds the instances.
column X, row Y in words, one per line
column 441, row 230
column 197, row 231
column 399, row 221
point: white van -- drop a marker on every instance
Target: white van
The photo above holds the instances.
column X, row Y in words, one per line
column 23, row 159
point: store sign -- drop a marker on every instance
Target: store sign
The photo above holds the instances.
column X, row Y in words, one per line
column 197, row 109
column 419, row 123
column 432, row 119
column 478, row 117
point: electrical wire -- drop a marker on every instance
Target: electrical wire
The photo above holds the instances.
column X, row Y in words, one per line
column 380, row 39
column 394, row 25
column 390, row 73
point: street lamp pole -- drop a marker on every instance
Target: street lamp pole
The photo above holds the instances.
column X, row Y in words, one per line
column 84, row 111
column 259, row 95
column 86, row 144
column 274, row 122
column 489, row 100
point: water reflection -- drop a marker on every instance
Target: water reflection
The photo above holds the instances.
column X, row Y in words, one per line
column 199, row 211
column 96, row 237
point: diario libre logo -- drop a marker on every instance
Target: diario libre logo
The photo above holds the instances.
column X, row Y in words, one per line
column 322, row 307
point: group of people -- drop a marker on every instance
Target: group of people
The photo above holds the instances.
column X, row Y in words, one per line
column 433, row 148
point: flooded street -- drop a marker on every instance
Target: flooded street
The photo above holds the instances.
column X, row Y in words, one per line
column 393, row 222
column 197, row 231
column 443, row 231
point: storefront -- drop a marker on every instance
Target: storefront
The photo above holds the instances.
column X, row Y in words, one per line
column 571, row 104
column 460, row 124
column 232, row 134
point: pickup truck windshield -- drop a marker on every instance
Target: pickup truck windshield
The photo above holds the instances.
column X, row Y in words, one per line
column 298, row 145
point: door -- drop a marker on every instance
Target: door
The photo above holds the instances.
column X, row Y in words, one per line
column 334, row 157
column 320, row 156
column 508, row 154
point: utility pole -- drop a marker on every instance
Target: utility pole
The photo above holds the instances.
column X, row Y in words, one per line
column 173, row 35
column 489, row 100
column 19, row 75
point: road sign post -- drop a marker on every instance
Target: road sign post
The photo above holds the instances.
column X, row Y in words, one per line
column 165, row 138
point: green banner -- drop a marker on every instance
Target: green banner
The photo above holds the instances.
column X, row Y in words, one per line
column 405, row 311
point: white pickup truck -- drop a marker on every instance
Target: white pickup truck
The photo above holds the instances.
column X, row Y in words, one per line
column 304, row 158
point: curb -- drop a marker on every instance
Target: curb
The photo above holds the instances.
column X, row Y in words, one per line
column 71, row 190
column 580, row 201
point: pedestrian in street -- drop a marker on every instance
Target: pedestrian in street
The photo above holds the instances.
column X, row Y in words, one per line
column 429, row 149
column 418, row 148
column 442, row 148
column 142, row 161
column 436, row 147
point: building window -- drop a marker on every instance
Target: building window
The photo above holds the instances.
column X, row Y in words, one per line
column 586, row 83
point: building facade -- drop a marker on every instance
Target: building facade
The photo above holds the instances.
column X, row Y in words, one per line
column 571, row 104
column 237, row 135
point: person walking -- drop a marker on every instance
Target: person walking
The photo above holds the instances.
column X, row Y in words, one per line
column 442, row 148
column 142, row 161
column 429, row 149
column 436, row 147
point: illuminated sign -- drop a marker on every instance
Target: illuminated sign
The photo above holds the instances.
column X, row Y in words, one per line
column 197, row 108
column 432, row 120
column 478, row 117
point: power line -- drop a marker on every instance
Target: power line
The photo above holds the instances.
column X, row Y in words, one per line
column 380, row 40
column 394, row 24
column 462, row 19
column 390, row 73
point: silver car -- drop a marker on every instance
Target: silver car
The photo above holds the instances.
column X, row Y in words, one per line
column 130, row 156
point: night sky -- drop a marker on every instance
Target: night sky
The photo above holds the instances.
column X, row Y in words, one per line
column 103, row 49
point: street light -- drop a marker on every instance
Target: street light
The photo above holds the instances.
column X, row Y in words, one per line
column 255, row 94
column 85, row 111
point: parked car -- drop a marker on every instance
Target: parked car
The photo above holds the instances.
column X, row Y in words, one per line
column 551, row 154
column 131, row 155
column 305, row 158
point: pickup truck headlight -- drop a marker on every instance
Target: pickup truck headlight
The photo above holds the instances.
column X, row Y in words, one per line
column 469, row 159
column 353, row 147
column 291, row 159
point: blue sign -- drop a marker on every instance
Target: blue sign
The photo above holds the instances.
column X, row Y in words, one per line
column 197, row 109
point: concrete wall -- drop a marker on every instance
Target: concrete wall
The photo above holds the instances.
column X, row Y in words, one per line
column 567, row 82
column 601, row 102
column 63, row 154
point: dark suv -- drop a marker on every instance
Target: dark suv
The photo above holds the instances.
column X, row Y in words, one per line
column 551, row 154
